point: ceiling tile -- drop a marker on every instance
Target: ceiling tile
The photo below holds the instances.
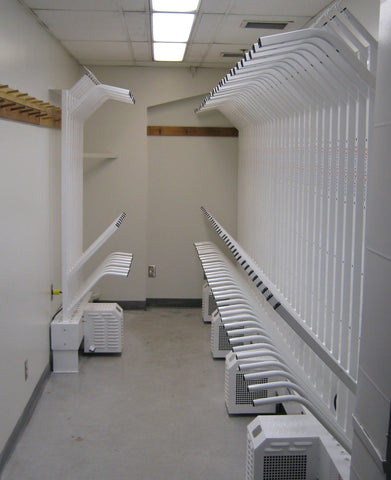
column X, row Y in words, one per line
column 134, row 5
column 142, row 51
column 107, row 5
column 276, row 7
column 81, row 25
column 206, row 27
column 215, row 6
column 90, row 52
column 196, row 52
column 138, row 25
column 70, row 4
column 214, row 54
column 232, row 31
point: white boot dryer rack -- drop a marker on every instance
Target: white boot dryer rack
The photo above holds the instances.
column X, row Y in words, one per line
column 79, row 103
column 303, row 104
column 252, row 322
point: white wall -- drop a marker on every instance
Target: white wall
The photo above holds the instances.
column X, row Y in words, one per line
column 31, row 61
column 129, row 184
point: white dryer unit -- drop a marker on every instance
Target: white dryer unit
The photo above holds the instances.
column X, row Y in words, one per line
column 103, row 328
column 208, row 303
column 238, row 399
column 287, row 447
column 219, row 340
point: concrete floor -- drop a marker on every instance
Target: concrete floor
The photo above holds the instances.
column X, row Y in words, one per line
column 156, row 412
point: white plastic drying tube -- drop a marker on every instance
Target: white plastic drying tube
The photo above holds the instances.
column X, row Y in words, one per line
column 97, row 243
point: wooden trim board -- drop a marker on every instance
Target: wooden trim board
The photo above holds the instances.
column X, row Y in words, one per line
column 192, row 131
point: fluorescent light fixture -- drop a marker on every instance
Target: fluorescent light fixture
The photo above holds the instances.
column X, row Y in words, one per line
column 175, row 5
column 172, row 27
column 169, row 52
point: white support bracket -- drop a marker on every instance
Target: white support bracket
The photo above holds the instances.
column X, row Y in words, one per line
column 66, row 335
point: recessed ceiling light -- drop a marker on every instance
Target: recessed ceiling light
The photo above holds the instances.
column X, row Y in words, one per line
column 168, row 52
column 175, row 5
column 172, row 27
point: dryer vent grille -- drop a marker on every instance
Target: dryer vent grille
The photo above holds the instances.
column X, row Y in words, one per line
column 243, row 396
column 285, row 467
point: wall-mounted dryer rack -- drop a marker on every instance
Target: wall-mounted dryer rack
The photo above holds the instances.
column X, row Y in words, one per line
column 253, row 326
column 78, row 104
column 303, row 104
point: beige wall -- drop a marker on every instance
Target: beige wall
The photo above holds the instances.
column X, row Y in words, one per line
column 183, row 174
column 153, row 176
column 366, row 12
column 374, row 387
column 31, row 61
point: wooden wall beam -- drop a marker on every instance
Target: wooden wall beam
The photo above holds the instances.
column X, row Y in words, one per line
column 192, row 131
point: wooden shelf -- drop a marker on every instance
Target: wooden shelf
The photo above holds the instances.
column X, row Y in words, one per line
column 19, row 106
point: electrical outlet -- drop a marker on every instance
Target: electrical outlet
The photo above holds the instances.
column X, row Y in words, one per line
column 26, row 370
column 152, row 271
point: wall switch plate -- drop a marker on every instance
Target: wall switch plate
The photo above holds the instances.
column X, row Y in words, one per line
column 152, row 271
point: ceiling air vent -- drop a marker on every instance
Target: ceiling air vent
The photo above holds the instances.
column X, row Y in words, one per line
column 232, row 54
column 265, row 25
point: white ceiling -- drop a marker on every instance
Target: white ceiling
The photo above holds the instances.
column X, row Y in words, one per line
column 117, row 32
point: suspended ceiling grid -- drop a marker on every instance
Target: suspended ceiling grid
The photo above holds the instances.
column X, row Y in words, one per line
column 118, row 32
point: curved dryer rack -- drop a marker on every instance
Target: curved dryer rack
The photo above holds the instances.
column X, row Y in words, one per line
column 303, row 104
column 251, row 323
column 79, row 103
